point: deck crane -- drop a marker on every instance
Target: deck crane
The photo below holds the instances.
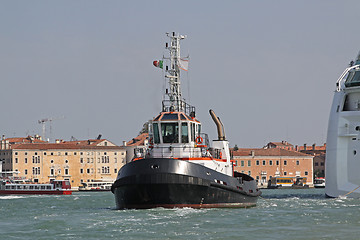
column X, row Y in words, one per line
column 43, row 122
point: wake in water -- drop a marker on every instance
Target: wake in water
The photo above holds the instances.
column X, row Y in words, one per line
column 11, row 197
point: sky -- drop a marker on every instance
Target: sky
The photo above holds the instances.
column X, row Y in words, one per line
column 267, row 68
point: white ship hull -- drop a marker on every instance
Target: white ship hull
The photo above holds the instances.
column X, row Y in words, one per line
column 343, row 142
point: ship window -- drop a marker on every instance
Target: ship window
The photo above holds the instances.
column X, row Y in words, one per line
column 353, row 79
column 157, row 118
column 184, row 132
column 182, row 117
column 156, row 133
column 170, row 132
column 170, row 116
column 192, row 131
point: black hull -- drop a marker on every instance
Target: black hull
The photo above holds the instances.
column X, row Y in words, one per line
column 169, row 183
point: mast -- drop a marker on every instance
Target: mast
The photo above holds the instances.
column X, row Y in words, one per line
column 173, row 73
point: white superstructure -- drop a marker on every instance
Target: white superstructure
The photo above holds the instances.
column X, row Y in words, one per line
column 342, row 164
column 175, row 132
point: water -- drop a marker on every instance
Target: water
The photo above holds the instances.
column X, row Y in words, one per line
column 280, row 214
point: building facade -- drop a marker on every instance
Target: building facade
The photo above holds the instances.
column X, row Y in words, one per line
column 77, row 161
column 319, row 153
column 264, row 163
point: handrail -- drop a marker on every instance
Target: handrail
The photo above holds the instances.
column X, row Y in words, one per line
column 341, row 78
column 188, row 109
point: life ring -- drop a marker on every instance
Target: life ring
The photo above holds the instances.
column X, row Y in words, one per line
column 151, row 143
column 220, row 155
column 199, row 140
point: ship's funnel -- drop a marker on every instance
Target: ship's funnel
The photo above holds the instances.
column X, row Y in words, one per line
column 219, row 125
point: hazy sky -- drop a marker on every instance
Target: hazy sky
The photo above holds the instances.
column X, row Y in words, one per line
column 267, row 68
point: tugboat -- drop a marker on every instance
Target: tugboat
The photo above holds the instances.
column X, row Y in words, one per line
column 343, row 138
column 179, row 168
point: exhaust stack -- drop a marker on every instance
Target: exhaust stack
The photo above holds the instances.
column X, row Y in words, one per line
column 219, row 125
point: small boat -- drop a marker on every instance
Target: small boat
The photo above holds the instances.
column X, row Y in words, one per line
column 287, row 182
column 55, row 187
column 319, row 182
column 96, row 186
column 342, row 163
column 180, row 168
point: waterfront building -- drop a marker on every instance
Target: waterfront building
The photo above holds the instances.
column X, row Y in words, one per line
column 76, row 161
column 264, row 163
column 319, row 153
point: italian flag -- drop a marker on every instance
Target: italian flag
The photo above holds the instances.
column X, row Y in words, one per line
column 158, row 64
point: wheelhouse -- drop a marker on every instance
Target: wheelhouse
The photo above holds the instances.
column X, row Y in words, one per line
column 175, row 127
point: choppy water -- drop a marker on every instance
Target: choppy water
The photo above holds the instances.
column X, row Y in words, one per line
column 280, row 214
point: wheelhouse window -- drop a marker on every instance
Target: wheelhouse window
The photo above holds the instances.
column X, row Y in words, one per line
column 156, row 133
column 170, row 116
column 192, row 131
column 353, row 78
column 170, row 132
column 184, row 132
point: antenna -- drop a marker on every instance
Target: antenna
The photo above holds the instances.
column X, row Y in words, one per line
column 43, row 122
column 174, row 72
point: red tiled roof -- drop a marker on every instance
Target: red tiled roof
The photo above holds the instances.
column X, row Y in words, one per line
column 28, row 139
column 138, row 141
column 266, row 152
column 309, row 148
column 59, row 146
column 281, row 144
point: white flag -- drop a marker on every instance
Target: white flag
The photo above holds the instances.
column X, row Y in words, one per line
column 183, row 64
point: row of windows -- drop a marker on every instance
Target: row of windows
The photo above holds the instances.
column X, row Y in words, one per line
column 53, row 171
column 66, row 153
column 263, row 162
column 103, row 170
column 174, row 131
column 104, row 159
column 306, row 173
column 25, row 187
column 36, row 171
